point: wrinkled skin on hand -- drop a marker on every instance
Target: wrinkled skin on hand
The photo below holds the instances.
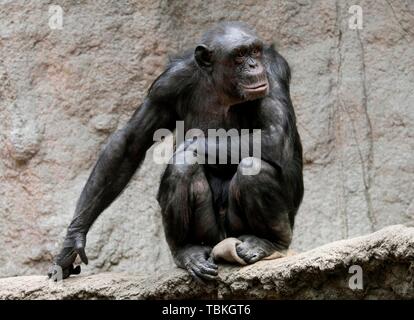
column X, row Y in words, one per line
column 63, row 265
column 197, row 261
column 253, row 249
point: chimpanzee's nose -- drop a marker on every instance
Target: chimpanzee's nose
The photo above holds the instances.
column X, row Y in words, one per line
column 252, row 64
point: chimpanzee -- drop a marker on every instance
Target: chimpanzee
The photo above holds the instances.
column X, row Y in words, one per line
column 231, row 80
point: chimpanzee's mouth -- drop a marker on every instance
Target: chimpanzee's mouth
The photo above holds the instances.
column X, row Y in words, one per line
column 256, row 87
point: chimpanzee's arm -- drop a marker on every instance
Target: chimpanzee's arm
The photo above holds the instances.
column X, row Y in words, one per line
column 117, row 163
column 121, row 157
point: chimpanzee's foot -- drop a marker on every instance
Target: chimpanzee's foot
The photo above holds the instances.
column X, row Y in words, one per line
column 196, row 260
column 252, row 248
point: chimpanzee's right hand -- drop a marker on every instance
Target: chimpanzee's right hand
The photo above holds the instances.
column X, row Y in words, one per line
column 197, row 261
column 63, row 266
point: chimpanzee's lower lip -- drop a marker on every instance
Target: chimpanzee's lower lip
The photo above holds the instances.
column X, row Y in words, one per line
column 260, row 87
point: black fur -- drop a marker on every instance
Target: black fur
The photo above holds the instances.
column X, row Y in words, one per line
column 203, row 204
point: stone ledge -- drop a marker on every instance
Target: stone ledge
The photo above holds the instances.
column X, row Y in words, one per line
column 386, row 258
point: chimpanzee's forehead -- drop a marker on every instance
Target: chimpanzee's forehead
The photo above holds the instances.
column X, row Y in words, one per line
column 234, row 37
column 228, row 35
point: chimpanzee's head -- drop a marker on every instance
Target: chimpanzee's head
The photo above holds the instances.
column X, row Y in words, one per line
column 232, row 55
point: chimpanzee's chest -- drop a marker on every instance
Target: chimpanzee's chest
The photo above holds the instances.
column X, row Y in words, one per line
column 207, row 118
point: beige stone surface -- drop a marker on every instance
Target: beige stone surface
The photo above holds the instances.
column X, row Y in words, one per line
column 386, row 258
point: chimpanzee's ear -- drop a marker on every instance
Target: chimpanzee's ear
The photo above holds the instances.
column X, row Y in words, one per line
column 203, row 56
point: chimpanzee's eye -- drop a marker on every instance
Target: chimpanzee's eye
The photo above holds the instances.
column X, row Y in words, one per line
column 256, row 51
column 240, row 52
column 239, row 56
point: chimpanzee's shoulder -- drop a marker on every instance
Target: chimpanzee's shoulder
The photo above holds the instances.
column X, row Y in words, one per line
column 178, row 78
column 277, row 66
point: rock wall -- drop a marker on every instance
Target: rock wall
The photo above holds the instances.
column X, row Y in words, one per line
column 63, row 91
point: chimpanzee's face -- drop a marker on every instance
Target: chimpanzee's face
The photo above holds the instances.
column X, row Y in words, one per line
column 239, row 69
column 237, row 65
